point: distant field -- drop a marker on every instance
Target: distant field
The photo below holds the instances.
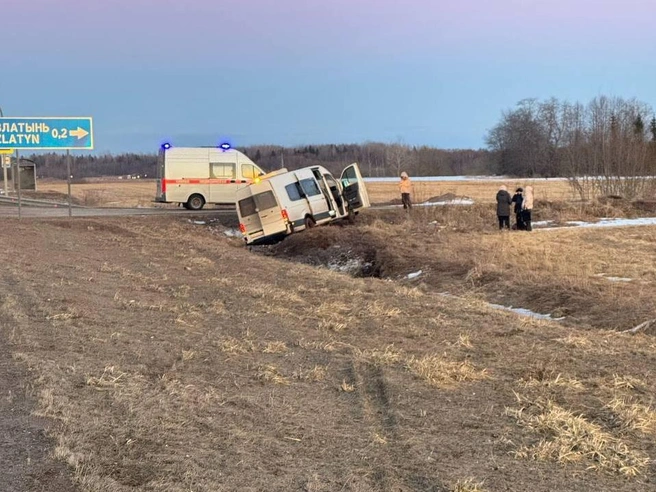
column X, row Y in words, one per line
column 142, row 192
column 480, row 191
column 124, row 193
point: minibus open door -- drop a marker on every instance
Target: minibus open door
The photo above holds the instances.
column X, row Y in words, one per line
column 354, row 188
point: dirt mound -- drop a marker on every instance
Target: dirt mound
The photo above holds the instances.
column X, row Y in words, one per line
column 446, row 197
column 53, row 196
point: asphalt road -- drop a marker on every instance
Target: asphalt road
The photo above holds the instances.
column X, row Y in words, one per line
column 62, row 211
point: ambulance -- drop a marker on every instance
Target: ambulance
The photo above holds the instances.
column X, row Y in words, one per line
column 283, row 202
column 196, row 176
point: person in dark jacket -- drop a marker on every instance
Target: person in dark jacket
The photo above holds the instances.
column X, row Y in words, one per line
column 518, row 199
column 527, row 208
column 503, row 207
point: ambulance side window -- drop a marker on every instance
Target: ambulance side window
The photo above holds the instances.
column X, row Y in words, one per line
column 248, row 171
column 224, row 170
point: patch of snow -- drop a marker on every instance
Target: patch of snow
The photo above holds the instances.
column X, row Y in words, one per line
column 614, row 279
column 640, row 221
column 414, row 274
column 457, row 201
column 460, row 178
column 520, row 311
column 619, row 279
column 525, row 312
column 542, row 223
column 233, row 233
column 197, row 222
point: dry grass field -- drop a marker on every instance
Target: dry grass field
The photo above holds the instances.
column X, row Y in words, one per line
column 123, row 193
column 168, row 356
column 140, row 193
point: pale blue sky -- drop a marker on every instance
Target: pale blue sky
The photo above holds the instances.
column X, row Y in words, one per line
column 294, row 72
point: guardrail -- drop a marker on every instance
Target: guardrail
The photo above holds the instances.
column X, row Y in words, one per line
column 12, row 200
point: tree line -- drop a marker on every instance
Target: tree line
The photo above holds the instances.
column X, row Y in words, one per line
column 375, row 159
column 607, row 146
column 604, row 147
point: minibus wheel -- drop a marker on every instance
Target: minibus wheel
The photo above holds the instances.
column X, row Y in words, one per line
column 309, row 222
column 195, row 202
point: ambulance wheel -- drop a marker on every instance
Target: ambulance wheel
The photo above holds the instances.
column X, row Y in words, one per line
column 309, row 222
column 195, row 202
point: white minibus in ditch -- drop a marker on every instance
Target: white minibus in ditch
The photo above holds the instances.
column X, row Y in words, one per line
column 283, row 202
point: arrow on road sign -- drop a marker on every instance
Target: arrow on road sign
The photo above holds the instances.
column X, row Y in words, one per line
column 79, row 133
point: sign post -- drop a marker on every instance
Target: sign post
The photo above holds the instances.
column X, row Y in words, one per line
column 45, row 133
column 17, row 183
column 6, row 162
column 68, row 180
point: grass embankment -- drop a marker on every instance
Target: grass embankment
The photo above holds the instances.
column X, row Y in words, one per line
column 599, row 278
column 193, row 364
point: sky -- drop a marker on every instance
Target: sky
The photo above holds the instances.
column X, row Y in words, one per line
column 299, row 72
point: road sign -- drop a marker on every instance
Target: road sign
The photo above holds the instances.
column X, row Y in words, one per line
column 6, row 160
column 6, row 151
column 46, row 133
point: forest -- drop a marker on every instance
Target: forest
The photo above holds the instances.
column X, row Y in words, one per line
column 375, row 159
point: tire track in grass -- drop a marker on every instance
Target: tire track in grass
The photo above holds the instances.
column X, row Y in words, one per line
column 373, row 404
column 26, row 460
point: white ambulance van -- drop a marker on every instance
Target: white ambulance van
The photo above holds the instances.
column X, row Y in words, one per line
column 283, row 202
column 195, row 176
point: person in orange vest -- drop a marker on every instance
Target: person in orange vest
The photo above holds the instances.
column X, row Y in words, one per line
column 406, row 188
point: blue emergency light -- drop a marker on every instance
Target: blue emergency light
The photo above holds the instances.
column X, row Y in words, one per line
column 225, row 146
column 166, row 146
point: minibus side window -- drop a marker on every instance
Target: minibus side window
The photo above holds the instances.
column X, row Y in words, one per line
column 349, row 177
column 294, row 192
column 310, row 187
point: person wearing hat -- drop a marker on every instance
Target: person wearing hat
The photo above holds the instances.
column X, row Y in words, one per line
column 518, row 199
column 406, row 188
column 503, row 207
